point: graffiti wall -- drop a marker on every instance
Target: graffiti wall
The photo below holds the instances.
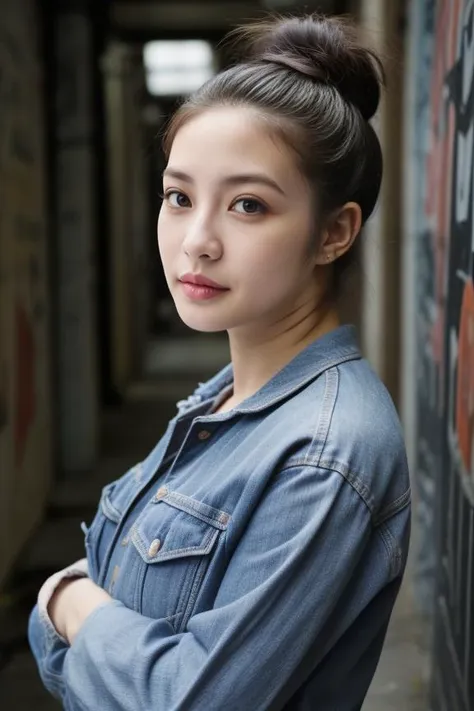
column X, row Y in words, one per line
column 25, row 464
column 443, row 131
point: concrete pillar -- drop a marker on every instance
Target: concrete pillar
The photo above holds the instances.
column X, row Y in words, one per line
column 129, row 253
column 380, row 309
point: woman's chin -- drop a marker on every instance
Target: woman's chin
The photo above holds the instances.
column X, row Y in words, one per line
column 202, row 322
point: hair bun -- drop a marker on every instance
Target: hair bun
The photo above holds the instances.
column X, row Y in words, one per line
column 328, row 50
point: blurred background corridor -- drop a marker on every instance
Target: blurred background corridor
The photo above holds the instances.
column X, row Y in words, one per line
column 93, row 357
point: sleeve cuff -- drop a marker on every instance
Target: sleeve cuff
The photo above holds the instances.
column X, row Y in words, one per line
column 76, row 570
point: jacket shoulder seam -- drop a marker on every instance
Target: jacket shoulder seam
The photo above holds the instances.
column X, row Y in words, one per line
column 351, row 478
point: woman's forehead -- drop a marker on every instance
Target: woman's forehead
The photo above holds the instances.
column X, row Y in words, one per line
column 231, row 140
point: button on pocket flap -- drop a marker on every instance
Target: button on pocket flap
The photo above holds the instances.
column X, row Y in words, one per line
column 177, row 526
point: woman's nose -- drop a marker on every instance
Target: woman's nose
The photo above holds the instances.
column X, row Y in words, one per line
column 202, row 242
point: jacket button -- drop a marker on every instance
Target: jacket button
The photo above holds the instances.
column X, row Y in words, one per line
column 161, row 493
column 203, row 435
column 154, row 548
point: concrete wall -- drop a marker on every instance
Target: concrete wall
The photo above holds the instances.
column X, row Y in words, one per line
column 25, row 418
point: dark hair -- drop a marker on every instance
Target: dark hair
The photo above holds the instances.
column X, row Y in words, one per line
column 318, row 86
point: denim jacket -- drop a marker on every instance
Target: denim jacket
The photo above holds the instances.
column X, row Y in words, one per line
column 253, row 557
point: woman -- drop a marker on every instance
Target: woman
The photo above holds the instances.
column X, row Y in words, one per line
column 253, row 559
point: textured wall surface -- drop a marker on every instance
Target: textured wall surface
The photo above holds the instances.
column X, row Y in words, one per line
column 25, row 421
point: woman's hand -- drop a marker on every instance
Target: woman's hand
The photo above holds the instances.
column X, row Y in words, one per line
column 71, row 604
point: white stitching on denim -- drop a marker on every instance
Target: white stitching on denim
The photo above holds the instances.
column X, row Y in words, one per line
column 338, row 468
column 393, row 508
column 393, row 549
column 204, row 549
column 344, row 355
column 199, row 509
column 327, row 408
column 194, row 590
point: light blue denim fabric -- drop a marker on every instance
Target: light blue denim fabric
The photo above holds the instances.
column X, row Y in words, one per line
column 254, row 556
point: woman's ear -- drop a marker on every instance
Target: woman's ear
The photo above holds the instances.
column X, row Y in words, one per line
column 339, row 233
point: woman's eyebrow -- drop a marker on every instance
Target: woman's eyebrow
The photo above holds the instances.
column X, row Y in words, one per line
column 178, row 174
column 253, row 178
column 229, row 180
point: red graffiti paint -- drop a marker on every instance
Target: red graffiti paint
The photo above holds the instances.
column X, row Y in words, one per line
column 439, row 168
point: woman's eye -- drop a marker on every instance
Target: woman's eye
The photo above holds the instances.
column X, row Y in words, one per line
column 249, row 206
column 177, row 199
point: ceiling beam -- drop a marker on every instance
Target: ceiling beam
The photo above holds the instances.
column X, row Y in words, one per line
column 165, row 17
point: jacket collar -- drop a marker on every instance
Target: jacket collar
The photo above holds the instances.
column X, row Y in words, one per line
column 332, row 349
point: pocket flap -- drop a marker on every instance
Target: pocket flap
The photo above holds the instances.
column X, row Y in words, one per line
column 117, row 495
column 177, row 526
column 106, row 505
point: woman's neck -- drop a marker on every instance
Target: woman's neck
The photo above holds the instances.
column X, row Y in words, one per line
column 256, row 358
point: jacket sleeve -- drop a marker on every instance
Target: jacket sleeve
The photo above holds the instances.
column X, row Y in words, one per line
column 48, row 647
column 284, row 594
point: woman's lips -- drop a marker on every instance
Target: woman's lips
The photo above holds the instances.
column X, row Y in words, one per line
column 201, row 292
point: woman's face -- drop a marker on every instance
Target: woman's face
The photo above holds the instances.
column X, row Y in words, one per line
column 237, row 211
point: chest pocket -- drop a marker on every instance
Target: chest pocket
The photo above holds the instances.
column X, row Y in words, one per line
column 171, row 546
column 114, row 500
